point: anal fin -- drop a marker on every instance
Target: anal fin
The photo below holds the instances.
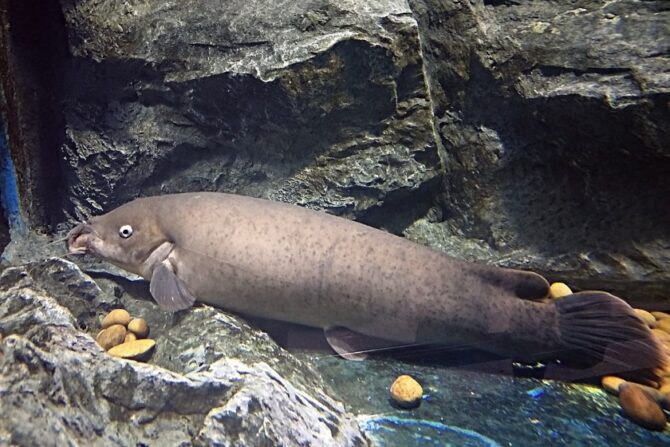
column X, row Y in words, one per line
column 352, row 345
column 168, row 290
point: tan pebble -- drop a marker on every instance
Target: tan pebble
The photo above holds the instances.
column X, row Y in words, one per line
column 662, row 336
column 559, row 290
column 645, row 316
column 117, row 316
column 112, row 336
column 139, row 327
column 137, row 350
column 611, row 384
column 406, row 392
column 660, row 315
column 663, row 325
column 641, row 408
column 130, row 337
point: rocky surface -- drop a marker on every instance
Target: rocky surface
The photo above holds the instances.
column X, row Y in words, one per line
column 55, row 376
column 321, row 103
column 465, row 407
column 216, row 380
column 553, row 121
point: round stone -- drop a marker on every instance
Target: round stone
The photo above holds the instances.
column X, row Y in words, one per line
column 117, row 316
column 130, row 337
column 663, row 325
column 662, row 336
column 660, row 315
column 641, row 408
column 139, row 327
column 136, row 350
column 112, row 336
column 645, row 316
column 611, row 384
column 559, row 290
column 406, row 392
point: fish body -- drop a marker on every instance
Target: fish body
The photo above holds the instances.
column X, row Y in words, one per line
column 283, row 262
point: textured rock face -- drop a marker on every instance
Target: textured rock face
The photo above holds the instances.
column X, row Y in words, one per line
column 321, row 103
column 56, row 377
column 553, row 118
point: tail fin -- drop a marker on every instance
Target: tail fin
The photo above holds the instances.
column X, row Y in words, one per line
column 601, row 330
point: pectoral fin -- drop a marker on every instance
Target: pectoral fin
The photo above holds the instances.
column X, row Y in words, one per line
column 168, row 290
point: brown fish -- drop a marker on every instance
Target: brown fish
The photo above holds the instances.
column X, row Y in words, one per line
column 283, row 262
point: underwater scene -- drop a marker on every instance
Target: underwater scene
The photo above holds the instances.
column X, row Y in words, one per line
column 334, row 223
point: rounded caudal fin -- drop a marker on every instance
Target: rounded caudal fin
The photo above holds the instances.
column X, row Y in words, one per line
column 597, row 328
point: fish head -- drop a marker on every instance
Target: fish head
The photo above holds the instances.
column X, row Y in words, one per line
column 126, row 236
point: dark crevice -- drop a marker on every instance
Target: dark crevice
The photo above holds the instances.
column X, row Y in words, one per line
column 4, row 232
column 572, row 176
column 32, row 60
column 402, row 207
column 554, row 70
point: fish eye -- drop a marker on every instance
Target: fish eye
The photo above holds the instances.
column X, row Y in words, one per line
column 126, row 231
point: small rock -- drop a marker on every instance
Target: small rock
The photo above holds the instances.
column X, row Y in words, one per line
column 559, row 290
column 406, row 392
column 641, row 408
column 662, row 336
column 130, row 337
column 139, row 327
column 663, row 325
column 136, row 350
column 117, row 316
column 112, row 336
column 645, row 316
column 660, row 315
column 611, row 384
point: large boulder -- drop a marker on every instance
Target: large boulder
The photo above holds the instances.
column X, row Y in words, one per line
column 60, row 388
column 322, row 103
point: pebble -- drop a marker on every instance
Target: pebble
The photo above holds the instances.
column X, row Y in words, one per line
column 139, row 327
column 611, row 384
column 130, row 337
column 663, row 325
column 406, row 392
column 112, row 336
column 645, row 316
column 117, row 316
column 641, row 408
column 136, row 350
column 559, row 290
column 662, row 336
column 660, row 315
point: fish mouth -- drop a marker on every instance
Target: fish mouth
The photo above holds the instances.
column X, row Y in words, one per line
column 79, row 239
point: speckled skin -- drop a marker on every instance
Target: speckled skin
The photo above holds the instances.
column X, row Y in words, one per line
column 284, row 262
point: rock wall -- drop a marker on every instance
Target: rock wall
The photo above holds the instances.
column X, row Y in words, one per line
column 60, row 388
column 320, row 103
